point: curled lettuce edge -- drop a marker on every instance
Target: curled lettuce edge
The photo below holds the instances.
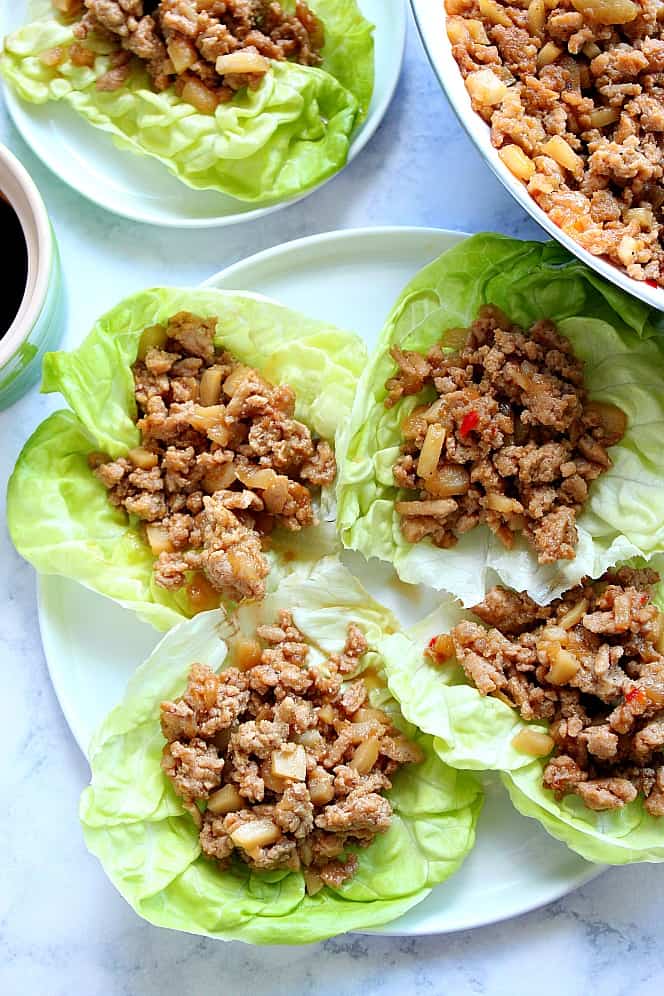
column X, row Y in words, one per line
column 475, row 732
column 612, row 332
column 266, row 145
column 80, row 535
column 148, row 845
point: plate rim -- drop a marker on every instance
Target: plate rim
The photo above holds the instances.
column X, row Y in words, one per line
column 328, row 238
column 588, row 871
column 19, row 115
column 448, row 75
column 45, row 587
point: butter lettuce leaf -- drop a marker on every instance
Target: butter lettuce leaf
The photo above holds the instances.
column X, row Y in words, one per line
column 471, row 731
column 476, row 732
column 620, row 341
column 79, row 534
column 265, row 145
column 135, row 825
column 616, row 837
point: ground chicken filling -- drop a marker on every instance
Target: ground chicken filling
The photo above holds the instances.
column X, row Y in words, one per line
column 591, row 666
column 574, row 93
column 508, row 437
column 221, row 463
column 207, row 49
column 283, row 762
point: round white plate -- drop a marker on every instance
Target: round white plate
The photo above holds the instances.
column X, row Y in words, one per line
column 430, row 17
column 142, row 189
column 92, row 645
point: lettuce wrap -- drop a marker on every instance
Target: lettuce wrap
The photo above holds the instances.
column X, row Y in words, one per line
column 618, row 338
column 475, row 732
column 266, row 145
column 149, row 847
column 58, row 513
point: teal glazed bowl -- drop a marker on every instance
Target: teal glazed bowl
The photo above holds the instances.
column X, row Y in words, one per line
column 38, row 324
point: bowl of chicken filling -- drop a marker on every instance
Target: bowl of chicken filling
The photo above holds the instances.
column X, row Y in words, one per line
column 564, row 101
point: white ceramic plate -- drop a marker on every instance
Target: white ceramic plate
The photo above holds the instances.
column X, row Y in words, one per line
column 142, row 189
column 430, row 17
column 92, row 645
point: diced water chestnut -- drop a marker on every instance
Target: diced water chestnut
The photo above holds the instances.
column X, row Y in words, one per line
column 258, row 833
column 536, row 16
column 575, row 614
column 210, row 389
column 181, row 53
column 200, row 96
column 431, row 450
column 245, row 61
column 368, row 715
column 142, row 458
column 246, row 653
column 202, row 595
column 321, row 792
column 608, row 11
column 603, row 116
column 225, row 800
column 493, row 12
column 477, row 31
column 591, row 50
column 205, row 418
column 365, row 756
column 448, row 480
column 219, row 477
column 290, row 762
column 548, row 54
column 158, row 538
column 517, row 162
column 563, row 664
column 503, row 504
column 532, row 742
column 485, row 88
column 563, row 154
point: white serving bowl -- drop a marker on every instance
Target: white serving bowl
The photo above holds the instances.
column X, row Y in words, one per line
column 37, row 325
column 430, row 16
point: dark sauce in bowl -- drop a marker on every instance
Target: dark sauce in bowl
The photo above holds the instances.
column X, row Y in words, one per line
column 15, row 255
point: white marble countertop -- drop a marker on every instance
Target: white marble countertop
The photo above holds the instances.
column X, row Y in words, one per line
column 63, row 928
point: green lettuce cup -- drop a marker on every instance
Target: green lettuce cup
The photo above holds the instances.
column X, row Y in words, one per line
column 619, row 340
column 266, row 145
column 58, row 512
column 620, row 837
column 148, row 844
column 476, row 732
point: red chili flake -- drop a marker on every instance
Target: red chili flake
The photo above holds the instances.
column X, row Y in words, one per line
column 635, row 695
column 652, row 283
column 469, row 422
column 432, row 642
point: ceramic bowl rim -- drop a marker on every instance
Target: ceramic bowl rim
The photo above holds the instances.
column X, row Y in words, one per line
column 22, row 193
